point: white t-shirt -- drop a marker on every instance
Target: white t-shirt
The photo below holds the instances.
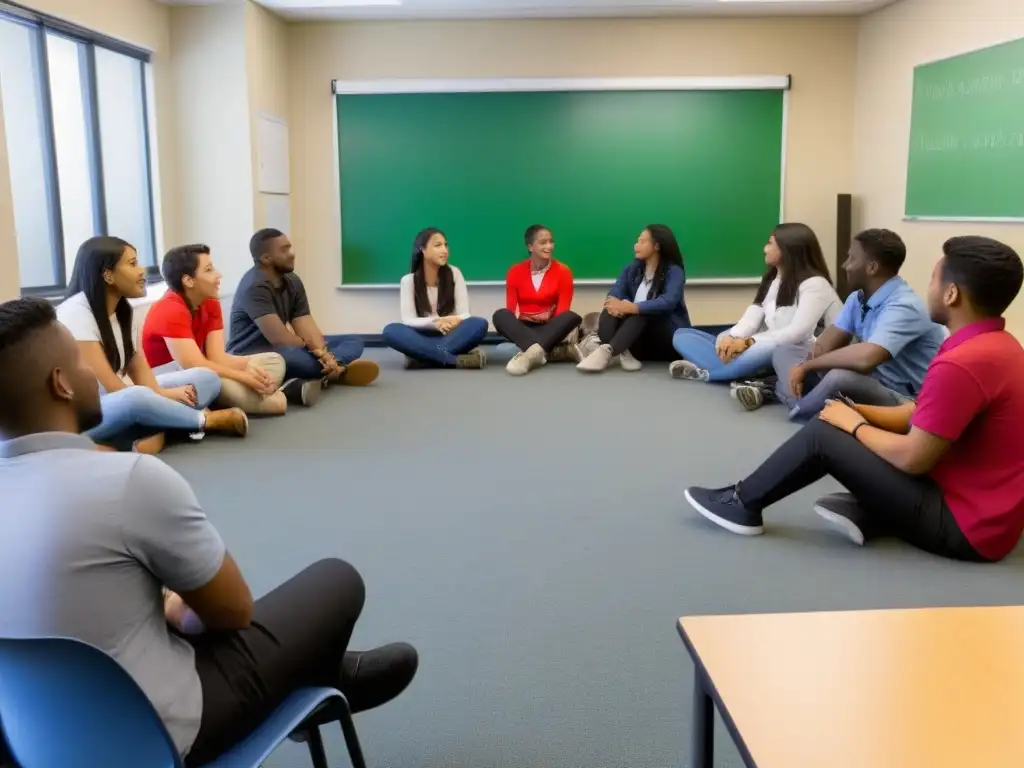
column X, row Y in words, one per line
column 76, row 315
column 407, row 296
column 644, row 289
column 816, row 301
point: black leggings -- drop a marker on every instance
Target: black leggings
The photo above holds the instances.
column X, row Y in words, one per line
column 525, row 334
column 902, row 505
column 298, row 637
column 648, row 337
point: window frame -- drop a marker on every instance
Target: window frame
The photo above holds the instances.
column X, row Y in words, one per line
column 41, row 25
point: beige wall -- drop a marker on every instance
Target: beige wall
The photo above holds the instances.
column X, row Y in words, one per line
column 212, row 121
column 820, row 54
column 9, row 285
column 268, row 63
column 892, row 42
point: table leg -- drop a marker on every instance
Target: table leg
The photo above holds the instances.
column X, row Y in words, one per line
column 703, row 744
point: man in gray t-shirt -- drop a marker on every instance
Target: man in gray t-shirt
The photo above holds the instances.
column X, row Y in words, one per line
column 114, row 549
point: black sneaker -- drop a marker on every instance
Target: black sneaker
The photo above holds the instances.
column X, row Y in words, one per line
column 372, row 678
column 844, row 513
column 301, row 392
column 723, row 507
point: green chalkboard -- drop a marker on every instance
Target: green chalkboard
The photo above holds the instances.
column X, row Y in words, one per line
column 967, row 136
column 594, row 166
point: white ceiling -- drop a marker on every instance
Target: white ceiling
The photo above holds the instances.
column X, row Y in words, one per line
column 511, row 9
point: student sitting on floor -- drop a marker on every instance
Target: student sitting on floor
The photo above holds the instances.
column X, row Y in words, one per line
column 645, row 307
column 795, row 296
column 537, row 317
column 944, row 475
column 185, row 330
column 92, row 538
column 436, row 329
column 136, row 404
column 270, row 313
column 879, row 348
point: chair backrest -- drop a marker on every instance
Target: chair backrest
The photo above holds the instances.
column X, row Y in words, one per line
column 65, row 703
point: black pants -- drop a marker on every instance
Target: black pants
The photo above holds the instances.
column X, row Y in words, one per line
column 902, row 505
column 525, row 334
column 297, row 638
column 646, row 336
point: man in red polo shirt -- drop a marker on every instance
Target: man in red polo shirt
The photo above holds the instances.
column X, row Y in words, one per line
column 946, row 474
column 185, row 329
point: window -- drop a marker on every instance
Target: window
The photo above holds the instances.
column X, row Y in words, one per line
column 77, row 128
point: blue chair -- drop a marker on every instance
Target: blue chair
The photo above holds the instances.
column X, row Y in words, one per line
column 66, row 704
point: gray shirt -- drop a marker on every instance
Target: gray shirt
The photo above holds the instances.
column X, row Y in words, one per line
column 89, row 538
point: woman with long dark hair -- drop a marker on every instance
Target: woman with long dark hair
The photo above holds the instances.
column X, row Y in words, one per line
column 135, row 403
column 437, row 330
column 645, row 307
column 537, row 317
column 794, row 298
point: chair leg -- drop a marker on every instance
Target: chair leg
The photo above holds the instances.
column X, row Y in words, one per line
column 348, row 728
column 316, row 748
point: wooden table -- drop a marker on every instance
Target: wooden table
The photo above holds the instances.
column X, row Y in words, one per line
column 931, row 687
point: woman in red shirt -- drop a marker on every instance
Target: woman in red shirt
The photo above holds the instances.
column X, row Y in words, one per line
column 540, row 288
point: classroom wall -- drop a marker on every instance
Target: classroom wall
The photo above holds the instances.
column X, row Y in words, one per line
column 891, row 43
column 820, row 54
column 9, row 285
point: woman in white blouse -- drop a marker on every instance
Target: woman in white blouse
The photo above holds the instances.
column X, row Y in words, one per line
column 794, row 298
column 436, row 329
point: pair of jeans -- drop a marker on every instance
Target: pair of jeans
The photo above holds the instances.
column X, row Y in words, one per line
column 699, row 348
column 430, row 346
column 298, row 637
column 648, row 337
column 300, row 363
column 819, row 387
column 141, row 411
column 911, row 508
column 525, row 334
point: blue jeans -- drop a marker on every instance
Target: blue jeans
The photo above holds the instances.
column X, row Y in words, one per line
column 301, row 364
column 429, row 346
column 820, row 387
column 141, row 409
column 699, row 348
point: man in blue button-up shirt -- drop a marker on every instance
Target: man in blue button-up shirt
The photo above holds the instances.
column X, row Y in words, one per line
column 879, row 348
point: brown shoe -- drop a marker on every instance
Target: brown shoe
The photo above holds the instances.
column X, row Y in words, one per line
column 359, row 373
column 230, row 421
column 474, row 359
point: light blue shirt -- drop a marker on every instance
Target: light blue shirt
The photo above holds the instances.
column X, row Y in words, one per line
column 895, row 319
column 89, row 538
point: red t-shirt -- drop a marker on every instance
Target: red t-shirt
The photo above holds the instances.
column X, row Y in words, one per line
column 554, row 295
column 973, row 395
column 171, row 318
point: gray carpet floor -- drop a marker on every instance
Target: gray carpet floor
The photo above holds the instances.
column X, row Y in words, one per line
column 530, row 537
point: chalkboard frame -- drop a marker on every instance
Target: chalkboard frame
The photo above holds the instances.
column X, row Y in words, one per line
column 339, row 87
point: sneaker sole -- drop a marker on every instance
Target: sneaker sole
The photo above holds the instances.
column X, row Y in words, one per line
column 682, row 374
column 742, row 530
column 841, row 524
column 310, row 393
column 747, row 399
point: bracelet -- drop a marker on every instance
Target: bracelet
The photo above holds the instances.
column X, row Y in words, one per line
column 854, row 433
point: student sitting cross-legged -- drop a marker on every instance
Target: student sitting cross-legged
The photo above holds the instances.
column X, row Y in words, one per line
column 540, row 291
column 878, row 349
column 115, row 550
column 185, row 330
column 795, row 296
column 944, row 474
column 270, row 313
column 436, row 329
column 645, row 307
column 137, row 406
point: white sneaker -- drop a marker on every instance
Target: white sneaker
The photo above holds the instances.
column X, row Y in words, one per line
column 597, row 360
column 684, row 369
column 524, row 362
column 629, row 363
column 588, row 346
